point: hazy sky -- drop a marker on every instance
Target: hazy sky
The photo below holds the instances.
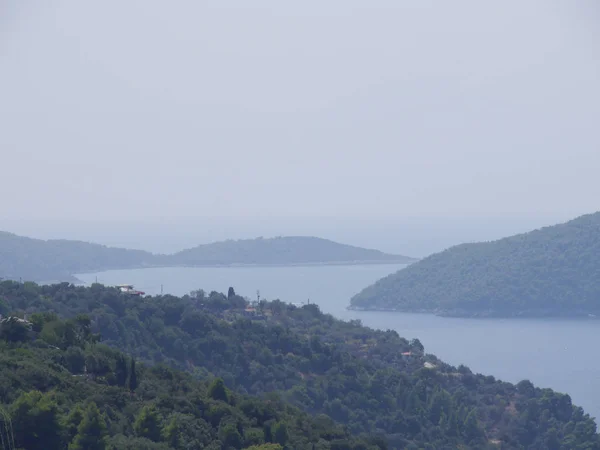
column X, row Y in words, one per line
column 144, row 108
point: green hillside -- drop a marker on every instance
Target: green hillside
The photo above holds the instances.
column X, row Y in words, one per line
column 280, row 251
column 59, row 388
column 57, row 260
column 357, row 376
column 553, row 271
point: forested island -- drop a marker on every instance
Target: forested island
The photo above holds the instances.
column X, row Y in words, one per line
column 550, row 272
column 288, row 250
column 57, row 260
column 94, row 368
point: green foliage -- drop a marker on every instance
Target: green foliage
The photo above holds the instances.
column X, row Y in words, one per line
column 147, row 424
column 218, row 391
column 133, row 381
column 91, row 432
column 121, row 371
column 280, row 433
column 36, row 421
column 13, row 330
column 53, row 408
column 552, row 271
column 256, row 371
column 230, row 436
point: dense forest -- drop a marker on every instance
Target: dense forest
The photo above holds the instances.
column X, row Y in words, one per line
column 374, row 383
column 553, row 271
column 57, row 260
column 60, row 388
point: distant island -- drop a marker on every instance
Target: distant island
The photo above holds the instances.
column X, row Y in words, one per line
column 550, row 272
column 290, row 250
column 57, row 260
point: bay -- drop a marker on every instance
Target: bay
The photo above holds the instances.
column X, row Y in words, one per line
column 554, row 353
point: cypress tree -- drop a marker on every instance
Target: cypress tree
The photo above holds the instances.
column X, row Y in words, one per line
column 133, row 381
column 121, row 371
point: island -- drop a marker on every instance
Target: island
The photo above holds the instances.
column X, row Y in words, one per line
column 281, row 251
column 57, row 260
column 549, row 272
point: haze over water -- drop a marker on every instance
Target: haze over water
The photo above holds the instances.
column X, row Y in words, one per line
column 552, row 353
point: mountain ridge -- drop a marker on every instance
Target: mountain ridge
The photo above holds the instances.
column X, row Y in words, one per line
column 58, row 259
column 547, row 272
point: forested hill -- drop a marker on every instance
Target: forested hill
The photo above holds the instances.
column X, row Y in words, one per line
column 281, row 251
column 372, row 382
column 61, row 389
column 553, row 271
column 57, row 260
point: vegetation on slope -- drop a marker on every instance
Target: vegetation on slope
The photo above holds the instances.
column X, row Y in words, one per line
column 59, row 388
column 553, row 271
column 56, row 260
column 280, row 250
column 355, row 375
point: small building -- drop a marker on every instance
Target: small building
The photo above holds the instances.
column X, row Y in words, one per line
column 406, row 355
column 128, row 289
column 24, row 321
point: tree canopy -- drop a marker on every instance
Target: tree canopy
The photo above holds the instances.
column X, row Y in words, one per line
column 552, row 271
column 296, row 357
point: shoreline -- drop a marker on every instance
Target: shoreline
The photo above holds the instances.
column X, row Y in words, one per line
column 247, row 266
column 449, row 314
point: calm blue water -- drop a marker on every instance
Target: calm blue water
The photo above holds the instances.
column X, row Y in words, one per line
column 560, row 354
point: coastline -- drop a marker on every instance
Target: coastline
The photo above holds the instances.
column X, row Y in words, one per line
column 487, row 314
column 73, row 276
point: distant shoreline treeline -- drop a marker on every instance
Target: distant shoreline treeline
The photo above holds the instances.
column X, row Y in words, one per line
column 59, row 260
column 550, row 272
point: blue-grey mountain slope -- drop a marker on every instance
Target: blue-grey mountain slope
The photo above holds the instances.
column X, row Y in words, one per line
column 553, row 271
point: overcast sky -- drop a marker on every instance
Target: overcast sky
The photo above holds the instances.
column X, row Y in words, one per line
column 144, row 108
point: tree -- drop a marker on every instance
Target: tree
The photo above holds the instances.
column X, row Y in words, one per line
column 417, row 346
column 73, row 420
column 230, row 293
column 218, row 391
column 170, row 433
column 13, row 330
column 36, row 422
column 230, row 436
column 121, row 371
column 91, row 432
column 280, row 433
column 147, row 424
column 133, row 381
column 471, row 426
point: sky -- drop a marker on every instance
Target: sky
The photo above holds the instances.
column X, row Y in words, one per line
column 377, row 112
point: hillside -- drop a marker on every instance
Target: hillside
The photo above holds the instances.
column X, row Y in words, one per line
column 60, row 388
column 553, row 271
column 57, row 260
column 357, row 376
column 280, row 251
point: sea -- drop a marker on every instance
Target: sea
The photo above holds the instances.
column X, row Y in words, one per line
column 554, row 353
